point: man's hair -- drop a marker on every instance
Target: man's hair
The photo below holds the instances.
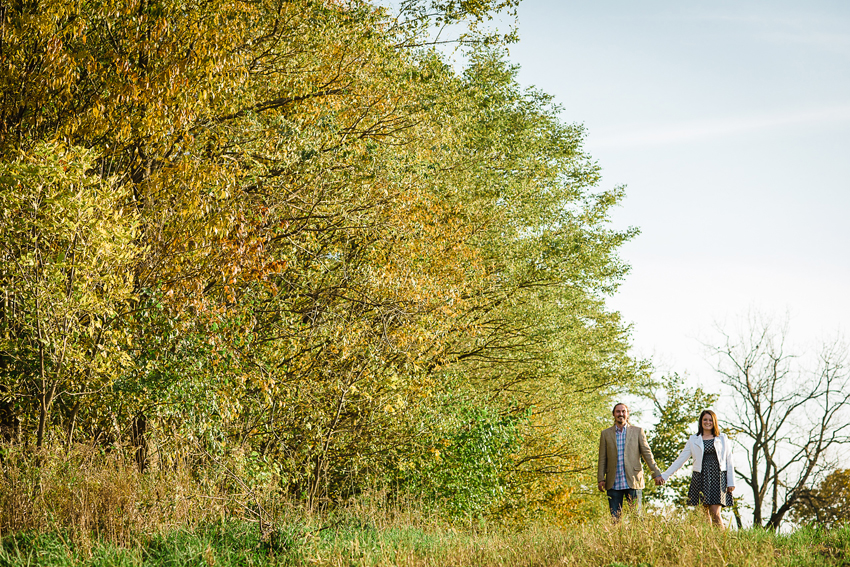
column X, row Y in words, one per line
column 619, row 404
column 715, row 430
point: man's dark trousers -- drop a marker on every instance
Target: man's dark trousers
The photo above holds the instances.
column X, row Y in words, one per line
column 616, row 497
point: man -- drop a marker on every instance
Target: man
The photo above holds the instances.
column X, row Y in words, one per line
column 620, row 450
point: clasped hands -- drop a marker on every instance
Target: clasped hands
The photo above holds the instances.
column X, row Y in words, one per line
column 658, row 482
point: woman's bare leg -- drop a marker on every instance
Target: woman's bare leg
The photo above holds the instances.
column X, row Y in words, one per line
column 714, row 513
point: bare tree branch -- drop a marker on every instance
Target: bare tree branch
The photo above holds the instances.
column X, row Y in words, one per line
column 786, row 417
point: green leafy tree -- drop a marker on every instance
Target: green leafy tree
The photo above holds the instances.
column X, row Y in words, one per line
column 329, row 233
column 531, row 335
column 828, row 504
column 68, row 245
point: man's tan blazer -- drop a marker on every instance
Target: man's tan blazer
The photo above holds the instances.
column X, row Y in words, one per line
column 636, row 447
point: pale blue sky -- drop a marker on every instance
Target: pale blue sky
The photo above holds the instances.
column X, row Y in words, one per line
column 729, row 122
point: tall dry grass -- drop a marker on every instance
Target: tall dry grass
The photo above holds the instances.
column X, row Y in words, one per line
column 92, row 508
column 87, row 493
column 639, row 540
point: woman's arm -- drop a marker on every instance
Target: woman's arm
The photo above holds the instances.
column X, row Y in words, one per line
column 680, row 460
column 730, row 463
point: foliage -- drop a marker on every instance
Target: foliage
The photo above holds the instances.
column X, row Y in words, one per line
column 317, row 230
column 68, row 245
column 543, row 344
column 466, row 469
column 828, row 504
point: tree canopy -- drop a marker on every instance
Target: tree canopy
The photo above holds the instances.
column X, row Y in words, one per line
column 292, row 234
column 827, row 504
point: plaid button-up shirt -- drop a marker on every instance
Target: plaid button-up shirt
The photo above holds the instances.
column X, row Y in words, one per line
column 620, row 478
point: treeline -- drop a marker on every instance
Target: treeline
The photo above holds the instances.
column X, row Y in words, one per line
column 290, row 235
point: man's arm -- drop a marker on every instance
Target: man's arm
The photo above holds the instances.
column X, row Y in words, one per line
column 603, row 463
column 646, row 453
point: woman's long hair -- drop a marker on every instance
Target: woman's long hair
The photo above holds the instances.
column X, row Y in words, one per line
column 715, row 430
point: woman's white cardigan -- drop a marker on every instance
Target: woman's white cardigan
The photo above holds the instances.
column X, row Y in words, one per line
column 694, row 448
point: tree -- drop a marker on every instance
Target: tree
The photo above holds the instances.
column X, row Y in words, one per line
column 827, row 504
column 67, row 241
column 346, row 253
column 786, row 417
column 532, row 336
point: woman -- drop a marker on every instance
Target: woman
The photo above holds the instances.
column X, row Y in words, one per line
column 713, row 477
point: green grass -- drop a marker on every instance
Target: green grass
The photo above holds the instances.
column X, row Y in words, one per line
column 636, row 542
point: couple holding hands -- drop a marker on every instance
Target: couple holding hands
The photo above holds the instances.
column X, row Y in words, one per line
column 620, row 473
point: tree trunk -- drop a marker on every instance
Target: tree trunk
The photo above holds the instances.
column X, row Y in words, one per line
column 140, row 442
column 737, row 512
column 757, row 502
column 72, row 422
column 42, row 419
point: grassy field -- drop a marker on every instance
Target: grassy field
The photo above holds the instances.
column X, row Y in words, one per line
column 87, row 508
column 637, row 541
